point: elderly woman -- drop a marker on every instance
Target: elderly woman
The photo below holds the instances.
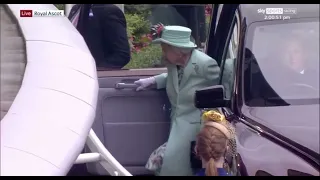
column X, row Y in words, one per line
column 188, row 70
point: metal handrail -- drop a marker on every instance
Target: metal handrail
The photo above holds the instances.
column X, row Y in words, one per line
column 102, row 155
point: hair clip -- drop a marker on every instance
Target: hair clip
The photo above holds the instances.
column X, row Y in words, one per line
column 213, row 115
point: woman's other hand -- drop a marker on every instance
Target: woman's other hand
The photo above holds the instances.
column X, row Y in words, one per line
column 145, row 83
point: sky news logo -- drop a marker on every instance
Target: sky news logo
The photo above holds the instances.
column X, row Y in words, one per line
column 41, row 13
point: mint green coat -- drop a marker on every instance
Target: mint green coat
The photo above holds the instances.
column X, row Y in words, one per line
column 201, row 71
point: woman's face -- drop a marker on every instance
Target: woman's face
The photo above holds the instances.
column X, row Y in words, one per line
column 170, row 54
column 294, row 56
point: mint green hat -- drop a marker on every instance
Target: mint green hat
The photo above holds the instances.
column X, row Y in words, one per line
column 177, row 36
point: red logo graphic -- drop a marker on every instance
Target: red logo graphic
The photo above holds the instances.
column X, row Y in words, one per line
column 25, row 13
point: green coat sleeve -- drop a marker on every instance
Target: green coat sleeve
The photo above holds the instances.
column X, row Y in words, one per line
column 161, row 80
column 212, row 71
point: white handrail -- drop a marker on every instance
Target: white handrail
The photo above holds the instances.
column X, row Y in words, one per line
column 106, row 159
column 88, row 158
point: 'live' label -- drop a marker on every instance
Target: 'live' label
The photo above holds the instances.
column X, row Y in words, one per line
column 25, row 13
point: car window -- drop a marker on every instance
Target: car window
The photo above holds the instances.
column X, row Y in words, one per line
column 285, row 64
column 227, row 77
column 281, row 78
column 140, row 17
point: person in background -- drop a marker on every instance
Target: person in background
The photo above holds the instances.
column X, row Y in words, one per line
column 295, row 56
column 188, row 70
column 104, row 28
column 297, row 60
column 213, row 143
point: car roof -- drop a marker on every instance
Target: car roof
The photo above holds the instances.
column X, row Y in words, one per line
column 250, row 11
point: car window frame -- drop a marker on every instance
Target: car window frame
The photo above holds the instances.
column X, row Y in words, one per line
column 228, row 50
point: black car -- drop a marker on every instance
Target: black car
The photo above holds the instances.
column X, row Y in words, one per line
column 269, row 89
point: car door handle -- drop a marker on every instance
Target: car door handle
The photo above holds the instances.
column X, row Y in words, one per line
column 126, row 86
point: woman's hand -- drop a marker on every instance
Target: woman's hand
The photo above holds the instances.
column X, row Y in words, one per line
column 145, row 83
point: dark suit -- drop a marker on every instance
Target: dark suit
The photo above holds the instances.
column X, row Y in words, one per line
column 105, row 33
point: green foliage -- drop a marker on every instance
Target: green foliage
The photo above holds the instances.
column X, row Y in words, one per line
column 136, row 25
column 143, row 10
column 148, row 57
column 59, row 6
column 143, row 54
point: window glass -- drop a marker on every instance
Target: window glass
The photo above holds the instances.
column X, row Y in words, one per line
column 281, row 78
column 285, row 64
column 228, row 68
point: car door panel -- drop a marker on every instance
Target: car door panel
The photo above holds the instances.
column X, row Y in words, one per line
column 130, row 124
column 274, row 160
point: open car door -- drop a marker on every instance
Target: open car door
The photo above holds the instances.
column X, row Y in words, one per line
column 130, row 124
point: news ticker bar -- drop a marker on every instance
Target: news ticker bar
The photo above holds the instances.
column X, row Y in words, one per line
column 41, row 13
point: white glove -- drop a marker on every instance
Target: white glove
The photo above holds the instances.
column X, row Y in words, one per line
column 145, row 83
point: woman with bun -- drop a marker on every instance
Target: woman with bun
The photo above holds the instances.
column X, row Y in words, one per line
column 213, row 143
